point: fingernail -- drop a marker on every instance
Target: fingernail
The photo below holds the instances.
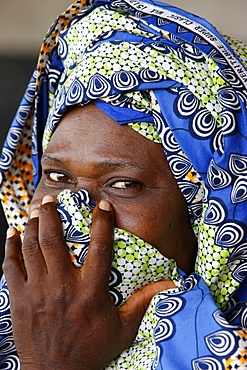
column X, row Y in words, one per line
column 10, row 232
column 104, row 205
column 48, row 199
column 34, row 213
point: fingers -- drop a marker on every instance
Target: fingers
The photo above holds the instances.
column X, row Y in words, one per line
column 33, row 257
column 140, row 300
column 44, row 248
column 97, row 265
column 45, row 251
column 51, row 239
column 13, row 266
column 133, row 310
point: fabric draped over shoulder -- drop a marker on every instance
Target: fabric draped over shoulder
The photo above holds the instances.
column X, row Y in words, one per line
column 175, row 79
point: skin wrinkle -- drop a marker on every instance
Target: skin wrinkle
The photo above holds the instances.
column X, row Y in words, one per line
column 107, row 164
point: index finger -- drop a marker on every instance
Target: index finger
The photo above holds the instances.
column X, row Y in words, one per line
column 97, row 266
column 51, row 239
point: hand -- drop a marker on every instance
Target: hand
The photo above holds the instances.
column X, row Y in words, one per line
column 63, row 317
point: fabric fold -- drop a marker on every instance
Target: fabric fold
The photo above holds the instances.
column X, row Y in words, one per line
column 135, row 262
column 173, row 78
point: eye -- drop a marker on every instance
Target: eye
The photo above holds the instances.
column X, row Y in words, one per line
column 58, row 177
column 123, row 184
column 126, row 188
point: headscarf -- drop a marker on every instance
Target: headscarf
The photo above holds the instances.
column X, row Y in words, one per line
column 174, row 79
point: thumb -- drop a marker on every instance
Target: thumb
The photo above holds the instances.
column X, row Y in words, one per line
column 133, row 310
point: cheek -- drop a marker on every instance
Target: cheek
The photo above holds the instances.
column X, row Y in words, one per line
column 131, row 219
column 141, row 220
column 156, row 220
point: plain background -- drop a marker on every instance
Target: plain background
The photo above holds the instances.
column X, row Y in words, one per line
column 23, row 25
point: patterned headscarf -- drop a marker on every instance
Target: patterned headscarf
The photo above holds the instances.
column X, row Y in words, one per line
column 174, row 79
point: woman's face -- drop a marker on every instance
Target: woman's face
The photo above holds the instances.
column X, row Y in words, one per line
column 89, row 150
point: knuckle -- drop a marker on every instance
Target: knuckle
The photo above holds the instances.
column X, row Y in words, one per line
column 39, row 302
column 30, row 226
column 47, row 208
column 8, row 265
column 63, row 294
column 17, row 307
column 96, row 306
column 97, row 244
column 30, row 246
column 103, row 250
column 34, row 304
column 49, row 240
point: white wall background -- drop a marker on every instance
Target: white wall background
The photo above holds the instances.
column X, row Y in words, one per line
column 23, row 24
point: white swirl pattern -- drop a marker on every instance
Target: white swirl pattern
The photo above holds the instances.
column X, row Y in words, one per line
column 229, row 235
column 29, row 94
column 244, row 318
column 146, row 75
column 219, row 318
column 239, row 190
column 228, row 75
column 229, row 99
column 215, row 212
column 22, row 114
column 203, row 123
column 163, row 330
column 168, row 306
column 180, row 166
column 221, row 343
column 7, row 346
column 75, row 93
column 10, row 363
column 207, row 363
column 240, row 252
column 240, row 272
column 238, row 164
column 218, row 58
column 98, row 86
column 217, row 177
column 6, row 158
column 187, row 103
column 122, row 80
column 218, row 142
column 188, row 190
column 4, row 300
column 13, row 137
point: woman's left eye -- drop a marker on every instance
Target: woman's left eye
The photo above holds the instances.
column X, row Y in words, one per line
column 59, row 177
column 124, row 184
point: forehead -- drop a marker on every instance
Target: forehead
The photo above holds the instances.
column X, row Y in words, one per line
column 87, row 133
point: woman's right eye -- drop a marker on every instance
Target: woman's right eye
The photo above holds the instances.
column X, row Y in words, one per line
column 58, row 177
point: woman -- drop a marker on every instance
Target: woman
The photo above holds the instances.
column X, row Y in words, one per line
column 118, row 85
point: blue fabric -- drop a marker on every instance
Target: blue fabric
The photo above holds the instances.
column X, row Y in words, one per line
column 173, row 78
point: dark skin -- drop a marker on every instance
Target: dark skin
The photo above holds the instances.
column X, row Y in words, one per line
column 54, row 326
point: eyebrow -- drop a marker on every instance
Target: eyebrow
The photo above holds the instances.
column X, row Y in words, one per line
column 49, row 159
column 105, row 163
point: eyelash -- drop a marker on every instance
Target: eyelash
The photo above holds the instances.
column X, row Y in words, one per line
column 128, row 184
column 123, row 184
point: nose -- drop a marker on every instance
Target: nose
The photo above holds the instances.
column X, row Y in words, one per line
column 92, row 188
